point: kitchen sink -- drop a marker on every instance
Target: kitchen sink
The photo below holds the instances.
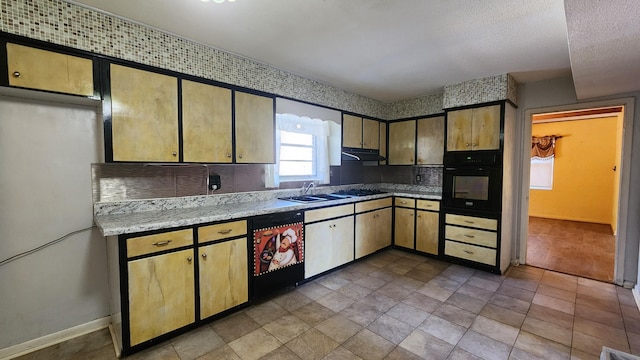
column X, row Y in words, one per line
column 304, row 199
column 315, row 198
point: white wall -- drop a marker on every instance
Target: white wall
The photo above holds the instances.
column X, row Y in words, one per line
column 561, row 91
column 46, row 150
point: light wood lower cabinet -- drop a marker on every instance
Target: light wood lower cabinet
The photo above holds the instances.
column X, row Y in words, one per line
column 224, row 276
column 328, row 243
column 471, row 238
column 373, row 228
column 427, row 223
column 404, row 224
column 161, row 295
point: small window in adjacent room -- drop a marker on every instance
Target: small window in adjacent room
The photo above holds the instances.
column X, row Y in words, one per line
column 541, row 173
column 297, row 156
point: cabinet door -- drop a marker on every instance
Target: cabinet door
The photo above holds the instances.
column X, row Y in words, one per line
column 427, row 223
column 486, row 128
column 402, row 142
column 370, row 134
column 383, row 141
column 161, row 295
column 328, row 244
column 255, row 136
column 48, row 70
column 351, row 131
column 144, row 115
column 382, row 220
column 404, row 227
column 365, row 234
column 206, row 123
column 224, row 276
column 459, row 130
column 430, row 140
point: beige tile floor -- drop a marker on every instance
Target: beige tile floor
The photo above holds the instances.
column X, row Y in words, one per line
column 397, row 305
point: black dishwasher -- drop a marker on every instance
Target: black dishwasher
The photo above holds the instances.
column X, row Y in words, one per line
column 278, row 251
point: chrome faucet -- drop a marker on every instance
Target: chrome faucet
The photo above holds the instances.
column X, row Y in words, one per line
column 306, row 188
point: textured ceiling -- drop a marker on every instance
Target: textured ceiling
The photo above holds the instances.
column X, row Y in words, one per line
column 382, row 49
column 604, row 42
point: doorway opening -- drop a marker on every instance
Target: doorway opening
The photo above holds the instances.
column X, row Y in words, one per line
column 574, row 191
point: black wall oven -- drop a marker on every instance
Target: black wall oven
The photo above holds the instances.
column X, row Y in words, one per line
column 472, row 180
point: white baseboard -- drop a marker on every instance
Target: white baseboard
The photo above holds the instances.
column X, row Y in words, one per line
column 52, row 339
column 636, row 295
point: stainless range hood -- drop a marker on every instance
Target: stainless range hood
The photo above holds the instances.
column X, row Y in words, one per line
column 351, row 154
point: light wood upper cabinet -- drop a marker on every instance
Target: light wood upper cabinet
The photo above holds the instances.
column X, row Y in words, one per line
column 161, row 295
column 474, row 129
column 358, row 132
column 370, row 134
column 402, row 143
column 224, row 276
column 383, row 141
column 206, row 123
column 144, row 115
column 254, row 125
column 47, row 70
column 430, row 140
column 351, row 131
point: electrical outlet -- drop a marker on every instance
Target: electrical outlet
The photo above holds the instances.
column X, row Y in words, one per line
column 214, row 182
column 418, row 178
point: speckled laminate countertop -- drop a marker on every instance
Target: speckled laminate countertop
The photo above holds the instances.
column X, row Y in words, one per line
column 154, row 214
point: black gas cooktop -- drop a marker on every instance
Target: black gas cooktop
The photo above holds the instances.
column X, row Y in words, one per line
column 359, row 192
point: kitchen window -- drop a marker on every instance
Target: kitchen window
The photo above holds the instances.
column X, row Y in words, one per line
column 298, row 156
column 302, row 152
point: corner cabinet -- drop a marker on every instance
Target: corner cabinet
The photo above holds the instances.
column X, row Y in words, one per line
column 373, row 226
column 329, row 234
column 402, row 143
column 144, row 115
column 38, row 69
column 474, row 129
column 254, row 127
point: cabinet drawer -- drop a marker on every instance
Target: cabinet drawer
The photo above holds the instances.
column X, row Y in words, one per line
column 471, row 236
column 373, row 204
column 405, row 202
column 328, row 213
column 221, row 231
column 428, row 205
column 472, row 221
column 150, row 244
column 470, row 252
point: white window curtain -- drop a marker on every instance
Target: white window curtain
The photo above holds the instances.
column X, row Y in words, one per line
column 303, row 125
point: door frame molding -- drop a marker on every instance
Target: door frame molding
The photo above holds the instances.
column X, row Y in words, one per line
column 625, row 172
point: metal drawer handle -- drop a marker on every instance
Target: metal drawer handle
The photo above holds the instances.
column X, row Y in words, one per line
column 225, row 231
column 228, row 155
column 162, row 243
column 469, row 236
column 468, row 252
column 429, row 205
column 16, row 74
column 189, row 259
column 376, row 215
column 204, row 255
column 403, row 202
column 469, row 222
